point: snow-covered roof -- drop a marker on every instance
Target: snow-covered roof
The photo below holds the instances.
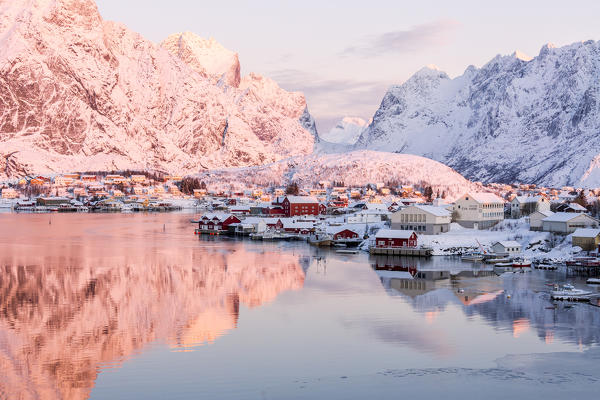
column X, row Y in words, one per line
column 577, row 207
column 586, row 232
column 393, row 234
column 546, row 213
column 482, row 197
column 508, row 243
column 562, row 217
column 437, row 211
column 376, row 206
column 528, row 199
column 302, row 199
column 357, row 228
column 297, row 225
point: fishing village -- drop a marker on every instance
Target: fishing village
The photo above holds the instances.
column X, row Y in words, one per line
column 512, row 228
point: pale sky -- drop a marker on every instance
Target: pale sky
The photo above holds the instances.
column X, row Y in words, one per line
column 344, row 54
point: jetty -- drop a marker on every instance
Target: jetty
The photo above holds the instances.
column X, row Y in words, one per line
column 402, row 251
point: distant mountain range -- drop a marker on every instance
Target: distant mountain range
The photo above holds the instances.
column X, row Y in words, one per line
column 78, row 93
column 516, row 119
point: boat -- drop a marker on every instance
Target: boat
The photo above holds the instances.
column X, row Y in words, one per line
column 502, row 268
column 496, row 260
column 568, row 292
column 320, row 239
column 593, row 281
column 474, row 256
column 521, row 264
column 549, row 267
column 347, row 251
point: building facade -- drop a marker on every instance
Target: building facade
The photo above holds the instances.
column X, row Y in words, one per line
column 565, row 223
column 525, row 205
column 393, row 238
column 300, row 205
column 479, row 210
column 428, row 220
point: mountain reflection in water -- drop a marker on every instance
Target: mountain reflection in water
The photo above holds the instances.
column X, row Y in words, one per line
column 73, row 298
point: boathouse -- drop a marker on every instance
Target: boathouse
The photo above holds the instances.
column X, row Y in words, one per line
column 345, row 234
column 393, row 238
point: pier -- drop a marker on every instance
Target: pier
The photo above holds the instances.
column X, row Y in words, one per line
column 402, row 251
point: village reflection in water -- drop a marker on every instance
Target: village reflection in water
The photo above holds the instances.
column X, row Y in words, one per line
column 516, row 302
column 83, row 294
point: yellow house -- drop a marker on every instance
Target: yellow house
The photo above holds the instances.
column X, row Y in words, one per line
column 586, row 238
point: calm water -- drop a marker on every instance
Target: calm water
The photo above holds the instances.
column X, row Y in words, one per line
column 137, row 307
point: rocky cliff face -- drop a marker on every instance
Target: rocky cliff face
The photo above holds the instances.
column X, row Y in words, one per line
column 207, row 57
column 515, row 119
column 79, row 93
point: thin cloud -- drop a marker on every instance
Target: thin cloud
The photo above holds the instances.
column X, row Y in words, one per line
column 418, row 37
column 331, row 99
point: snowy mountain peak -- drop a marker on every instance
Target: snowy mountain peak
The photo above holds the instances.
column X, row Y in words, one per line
column 346, row 131
column 512, row 120
column 79, row 93
column 205, row 56
column 519, row 55
column 546, row 49
column 430, row 71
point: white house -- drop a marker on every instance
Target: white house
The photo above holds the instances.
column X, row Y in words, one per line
column 423, row 219
column 479, row 210
column 536, row 218
column 565, row 223
column 509, row 247
column 367, row 216
column 525, row 205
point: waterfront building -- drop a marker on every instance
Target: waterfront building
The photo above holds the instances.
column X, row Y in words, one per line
column 391, row 238
column 479, row 210
column 424, row 219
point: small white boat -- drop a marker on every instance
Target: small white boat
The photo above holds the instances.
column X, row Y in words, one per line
column 521, row 264
column 472, row 257
column 548, row 267
column 509, row 267
column 593, row 281
column 320, row 239
column 568, row 292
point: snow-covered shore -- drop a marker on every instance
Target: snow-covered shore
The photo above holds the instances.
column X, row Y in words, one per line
column 536, row 245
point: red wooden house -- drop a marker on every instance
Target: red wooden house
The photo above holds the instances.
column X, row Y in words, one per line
column 300, row 205
column 213, row 223
column 391, row 238
column 345, row 234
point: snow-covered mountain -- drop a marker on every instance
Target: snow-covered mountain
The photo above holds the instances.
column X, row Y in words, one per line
column 79, row 93
column 517, row 118
column 346, row 131
column 356, row 168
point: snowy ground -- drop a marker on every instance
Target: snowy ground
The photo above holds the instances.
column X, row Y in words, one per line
column 536, row 245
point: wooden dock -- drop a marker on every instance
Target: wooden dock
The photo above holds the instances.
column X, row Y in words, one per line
column 402, row 251
column 583, row 270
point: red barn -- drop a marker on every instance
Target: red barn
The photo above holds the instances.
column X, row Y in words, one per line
column 216, row 223
column 391, row 238
column 345, row 234
column 300, row 205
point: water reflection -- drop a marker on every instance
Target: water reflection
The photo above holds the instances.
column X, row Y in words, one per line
column 517, row 303
column 74, row 301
